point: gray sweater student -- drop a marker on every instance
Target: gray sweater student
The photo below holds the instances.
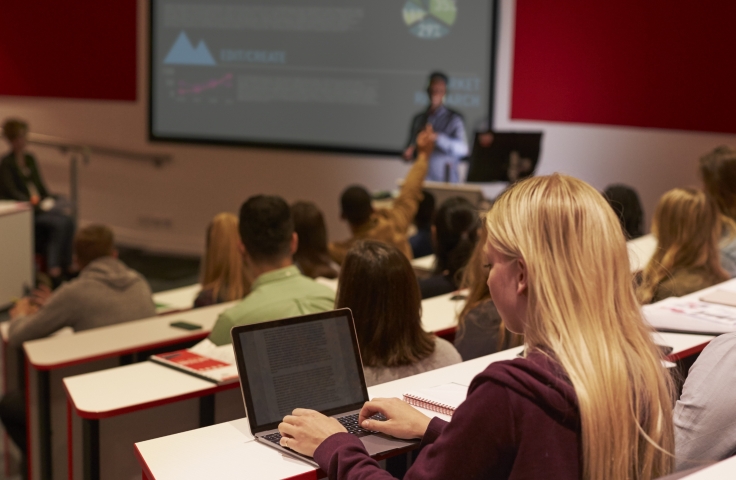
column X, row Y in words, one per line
column 105, row 292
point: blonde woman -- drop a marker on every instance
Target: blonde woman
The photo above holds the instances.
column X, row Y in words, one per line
column 480, row 329
column 687, row 225
column 223, row 276
column 590, row 399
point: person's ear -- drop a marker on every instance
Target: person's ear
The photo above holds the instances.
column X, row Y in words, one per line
column 522, row 277
column 243, row 252
column 294, row 243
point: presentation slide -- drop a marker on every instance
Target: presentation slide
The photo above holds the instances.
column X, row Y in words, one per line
column 336, row 74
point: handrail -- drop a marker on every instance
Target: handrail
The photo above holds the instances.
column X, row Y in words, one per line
column 65, row 146
column 85, row 150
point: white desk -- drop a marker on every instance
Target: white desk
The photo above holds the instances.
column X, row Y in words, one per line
column 439, row 314
column 133, row 391
column 641, row 251
column 227, row 451
column 672, row 321
column 16, row 251
column 49, row 360
column 176, row 299
column 720, row 471
column 425, row 264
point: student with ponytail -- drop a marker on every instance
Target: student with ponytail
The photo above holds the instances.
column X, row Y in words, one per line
column 454, row 235
column 590, row 397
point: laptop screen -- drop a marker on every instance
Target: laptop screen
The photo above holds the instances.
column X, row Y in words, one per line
column 306, row 362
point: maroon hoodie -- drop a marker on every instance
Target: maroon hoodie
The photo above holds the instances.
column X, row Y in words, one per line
column 519, row 421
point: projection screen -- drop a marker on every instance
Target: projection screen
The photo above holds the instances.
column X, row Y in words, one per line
column 327, row 74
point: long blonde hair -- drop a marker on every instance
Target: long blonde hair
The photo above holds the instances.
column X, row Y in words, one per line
column 687, row 225
column 474, row 279
column 223, row 270
column 583, row 312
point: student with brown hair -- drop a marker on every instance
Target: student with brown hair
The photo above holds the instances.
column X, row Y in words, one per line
column 454, row 235
column 590, row 397
column 481, row 330
column 223, row 275
column 378, row 284
column 718, row 173
column 687, row 225
column 312, row 257
column 389, row 225
column 106, row 292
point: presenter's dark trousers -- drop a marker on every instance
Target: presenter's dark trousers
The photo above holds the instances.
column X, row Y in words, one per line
column 57, row 230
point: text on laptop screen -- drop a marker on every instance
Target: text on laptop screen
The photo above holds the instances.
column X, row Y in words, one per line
column 307, row 365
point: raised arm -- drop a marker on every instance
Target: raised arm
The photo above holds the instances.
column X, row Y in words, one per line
column 406, row 204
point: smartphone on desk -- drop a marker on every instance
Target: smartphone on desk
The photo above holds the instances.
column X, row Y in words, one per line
column 185, row 325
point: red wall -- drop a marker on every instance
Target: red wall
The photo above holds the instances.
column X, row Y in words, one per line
column 655, row 63
column 73, row 49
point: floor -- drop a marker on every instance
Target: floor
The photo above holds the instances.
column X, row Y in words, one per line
column 162, row 272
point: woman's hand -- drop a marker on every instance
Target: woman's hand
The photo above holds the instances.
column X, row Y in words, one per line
column 402, row 420
column 304, row 430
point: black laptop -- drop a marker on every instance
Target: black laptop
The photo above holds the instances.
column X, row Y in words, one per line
column 312, row 361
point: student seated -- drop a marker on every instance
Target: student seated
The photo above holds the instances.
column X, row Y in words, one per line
column 106, row 292
column 388, row 225
column 705, row 425
column 223, row 275
column 718, row 173
column 278, row 289
column 454, row 235
column 312, row 256
column 589, row 398
column 20, row 179
column 378, row 284
column 626, row 203
column 421, row 242
column 480, row 330
column 687, row 225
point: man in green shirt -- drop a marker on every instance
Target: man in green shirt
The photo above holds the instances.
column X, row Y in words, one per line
column 279, row 290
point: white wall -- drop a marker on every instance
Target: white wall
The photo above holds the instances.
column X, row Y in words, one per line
column 204, row 180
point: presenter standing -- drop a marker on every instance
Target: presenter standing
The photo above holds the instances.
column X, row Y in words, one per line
column 451, row 144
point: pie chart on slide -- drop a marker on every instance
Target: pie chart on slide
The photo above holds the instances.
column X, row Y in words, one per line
column 430, row 19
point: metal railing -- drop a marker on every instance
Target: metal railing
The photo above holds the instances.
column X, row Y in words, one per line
column 84, row 151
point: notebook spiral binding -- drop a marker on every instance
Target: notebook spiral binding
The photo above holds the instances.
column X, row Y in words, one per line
column 429, row 404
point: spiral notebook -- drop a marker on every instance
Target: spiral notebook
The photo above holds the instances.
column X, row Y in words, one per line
column 441, row 399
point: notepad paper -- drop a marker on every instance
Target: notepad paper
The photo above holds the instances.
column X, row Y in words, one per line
column 441, row 399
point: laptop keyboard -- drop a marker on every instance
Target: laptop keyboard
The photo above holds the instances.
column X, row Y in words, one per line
column 350, row 422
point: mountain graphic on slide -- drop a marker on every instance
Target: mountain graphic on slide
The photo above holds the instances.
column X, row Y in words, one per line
column 184, row 53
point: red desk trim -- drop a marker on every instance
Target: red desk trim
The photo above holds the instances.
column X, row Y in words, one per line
column 673, row 357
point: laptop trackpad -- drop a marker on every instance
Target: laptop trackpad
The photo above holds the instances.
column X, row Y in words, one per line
column 376, row 444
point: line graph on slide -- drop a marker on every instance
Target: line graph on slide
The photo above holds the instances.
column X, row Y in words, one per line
column 187, row 88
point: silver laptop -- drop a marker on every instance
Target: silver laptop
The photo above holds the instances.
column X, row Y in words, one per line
column 311, row 362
